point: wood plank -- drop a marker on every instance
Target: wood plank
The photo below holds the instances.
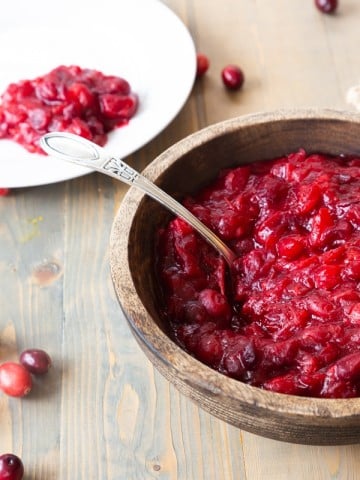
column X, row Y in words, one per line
column 270, row 459
column 31, row 261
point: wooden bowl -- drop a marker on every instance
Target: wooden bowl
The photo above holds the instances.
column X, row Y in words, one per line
column 184, row 168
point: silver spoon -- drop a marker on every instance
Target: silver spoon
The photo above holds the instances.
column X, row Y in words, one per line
column 76, row 149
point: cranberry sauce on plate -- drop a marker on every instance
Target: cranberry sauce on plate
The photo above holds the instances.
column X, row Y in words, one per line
column 288, row 319
column 72, row 99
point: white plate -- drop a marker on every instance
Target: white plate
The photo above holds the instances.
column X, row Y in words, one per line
column 140, row 40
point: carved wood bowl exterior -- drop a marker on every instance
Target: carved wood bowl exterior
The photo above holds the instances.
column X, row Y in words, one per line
column 184, row 168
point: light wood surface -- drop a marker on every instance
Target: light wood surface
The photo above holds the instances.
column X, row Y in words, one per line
column 103, row 412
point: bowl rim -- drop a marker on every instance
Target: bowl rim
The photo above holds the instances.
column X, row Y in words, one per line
column 203, row 377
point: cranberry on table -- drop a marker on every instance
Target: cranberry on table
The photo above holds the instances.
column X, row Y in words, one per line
column 11, row 467
column 15, row 379
column 202, row 64
column 326, row 6
column 36, row 361
column 233, row 77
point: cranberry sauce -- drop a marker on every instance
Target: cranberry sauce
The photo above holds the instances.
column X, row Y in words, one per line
column 290, row 322
column 81, row 101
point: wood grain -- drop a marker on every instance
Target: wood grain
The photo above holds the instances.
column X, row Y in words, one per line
column 103, row 412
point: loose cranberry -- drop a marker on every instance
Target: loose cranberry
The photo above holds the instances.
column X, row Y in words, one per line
column 290, row 246
column 215, row 303
column 233, row 77
column 35, row 361
column 202, row 64
column 11, row 467
column 326, row 6
column 15, row 380
column 4, row 192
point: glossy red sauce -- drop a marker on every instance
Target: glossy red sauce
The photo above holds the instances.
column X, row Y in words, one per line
column 81, row 101
column 289, row 319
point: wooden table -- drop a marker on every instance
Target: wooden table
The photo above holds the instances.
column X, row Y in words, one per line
column 103, row 412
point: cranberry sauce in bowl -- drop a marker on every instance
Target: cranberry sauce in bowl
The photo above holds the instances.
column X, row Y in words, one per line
column 289, row 319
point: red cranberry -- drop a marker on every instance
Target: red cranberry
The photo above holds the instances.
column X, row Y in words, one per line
column 35, row 361
column 202, row 64
column 15, row 380
column 233, row 77
column 11, row 467
column 326, row 6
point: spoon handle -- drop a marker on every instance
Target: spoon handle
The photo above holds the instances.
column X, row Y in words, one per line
column 78, row 150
